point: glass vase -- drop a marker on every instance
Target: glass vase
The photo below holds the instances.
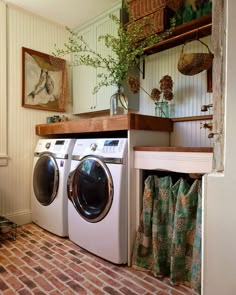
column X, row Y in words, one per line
column 118, row 102
column 162, row 109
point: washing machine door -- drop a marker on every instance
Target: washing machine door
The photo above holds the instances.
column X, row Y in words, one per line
column 90, row 189
column 45, row 179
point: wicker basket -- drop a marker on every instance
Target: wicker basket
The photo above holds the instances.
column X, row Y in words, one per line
column 141, row 8
column 194, row 63
column 154, row 23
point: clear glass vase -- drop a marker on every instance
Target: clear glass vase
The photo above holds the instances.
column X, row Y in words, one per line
column 162, row 109
column 118, row 102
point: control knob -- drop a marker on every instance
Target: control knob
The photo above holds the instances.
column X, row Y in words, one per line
column 93, row 147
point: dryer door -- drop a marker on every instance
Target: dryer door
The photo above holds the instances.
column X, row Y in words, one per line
column 46, row 179
column 90, row 189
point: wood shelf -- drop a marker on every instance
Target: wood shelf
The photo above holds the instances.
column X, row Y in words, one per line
column 198, row 28
column 176, row 159
column 193, row 118
column 173, row 149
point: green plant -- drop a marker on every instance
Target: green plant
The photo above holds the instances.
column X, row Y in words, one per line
column 124, row 48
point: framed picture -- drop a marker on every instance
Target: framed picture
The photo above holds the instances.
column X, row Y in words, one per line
column 44, row 81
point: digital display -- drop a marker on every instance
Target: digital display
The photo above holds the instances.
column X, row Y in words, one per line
column 60, row 142
column 111, row 143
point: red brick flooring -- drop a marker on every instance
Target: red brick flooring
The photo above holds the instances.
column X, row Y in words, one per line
column 41, row 263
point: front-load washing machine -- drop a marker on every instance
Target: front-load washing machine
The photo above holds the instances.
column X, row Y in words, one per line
column 97, row 192
column 51, row 166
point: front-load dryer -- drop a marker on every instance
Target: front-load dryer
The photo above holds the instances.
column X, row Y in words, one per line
column 97, row 192
column 51, row 166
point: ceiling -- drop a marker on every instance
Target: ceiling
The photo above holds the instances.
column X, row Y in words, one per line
column 71, row 13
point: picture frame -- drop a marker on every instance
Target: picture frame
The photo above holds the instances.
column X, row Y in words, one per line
column 43, row 81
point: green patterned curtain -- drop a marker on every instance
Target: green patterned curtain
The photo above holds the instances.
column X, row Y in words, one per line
column 168, row 240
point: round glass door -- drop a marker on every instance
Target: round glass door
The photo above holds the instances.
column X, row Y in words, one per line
column 92, row 189
column 45, row 179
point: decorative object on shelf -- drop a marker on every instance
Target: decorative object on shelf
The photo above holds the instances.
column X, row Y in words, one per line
column 118, row 102
column 166, row 87
column 203, row 7
column 44, row 81
column 192, row 9
column 189, row 13
column 55, row 119
column 124, row 56
column 162, row 109
column 194, row 63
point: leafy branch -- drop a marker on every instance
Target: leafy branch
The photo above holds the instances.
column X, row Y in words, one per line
column 125, row 50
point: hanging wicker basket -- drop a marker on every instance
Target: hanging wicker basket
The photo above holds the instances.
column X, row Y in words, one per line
column 194, row 63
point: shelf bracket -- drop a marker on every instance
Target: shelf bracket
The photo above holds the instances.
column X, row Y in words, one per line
column 143, row 71
column 209, row 80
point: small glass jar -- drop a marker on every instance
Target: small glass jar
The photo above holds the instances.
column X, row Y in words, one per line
column 118, row 102
column 162, row 109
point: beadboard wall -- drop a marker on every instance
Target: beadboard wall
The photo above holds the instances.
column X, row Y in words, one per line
column 23, row 30
column 3, row 100
column 190, row 93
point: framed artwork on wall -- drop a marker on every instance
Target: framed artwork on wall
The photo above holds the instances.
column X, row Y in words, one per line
column 43, row 81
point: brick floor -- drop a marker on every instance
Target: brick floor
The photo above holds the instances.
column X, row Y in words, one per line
column 40, row 263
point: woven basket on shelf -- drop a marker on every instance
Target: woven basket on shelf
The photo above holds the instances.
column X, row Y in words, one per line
column 141, row 8
column 175, row 4
column 194, row 63
column 154, row 23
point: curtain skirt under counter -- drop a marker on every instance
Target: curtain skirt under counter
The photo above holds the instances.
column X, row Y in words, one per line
column 168, row 240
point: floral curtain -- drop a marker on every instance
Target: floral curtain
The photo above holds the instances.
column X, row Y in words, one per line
column 168, row 241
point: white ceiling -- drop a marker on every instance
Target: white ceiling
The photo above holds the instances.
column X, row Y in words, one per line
column 71, row 13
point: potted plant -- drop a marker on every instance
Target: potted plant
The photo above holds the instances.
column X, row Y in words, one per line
column 116, row 66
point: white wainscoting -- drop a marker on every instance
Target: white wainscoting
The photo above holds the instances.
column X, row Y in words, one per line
column 190, row 134
column 23, row 30
column 3, row 90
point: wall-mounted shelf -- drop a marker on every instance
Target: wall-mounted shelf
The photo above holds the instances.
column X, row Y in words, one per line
column 193, row 118
column 198, row 28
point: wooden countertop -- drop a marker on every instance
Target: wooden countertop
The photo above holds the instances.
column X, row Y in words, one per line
column 173, row 149
column 176, row 159
column 106, row 123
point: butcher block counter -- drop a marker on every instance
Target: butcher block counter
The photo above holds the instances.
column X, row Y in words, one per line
column 176, row 159
column 106, row 123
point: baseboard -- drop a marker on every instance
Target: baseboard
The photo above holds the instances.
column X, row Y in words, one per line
column 20, row 218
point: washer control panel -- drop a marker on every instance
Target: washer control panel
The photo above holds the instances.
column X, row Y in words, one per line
column 62, row 146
